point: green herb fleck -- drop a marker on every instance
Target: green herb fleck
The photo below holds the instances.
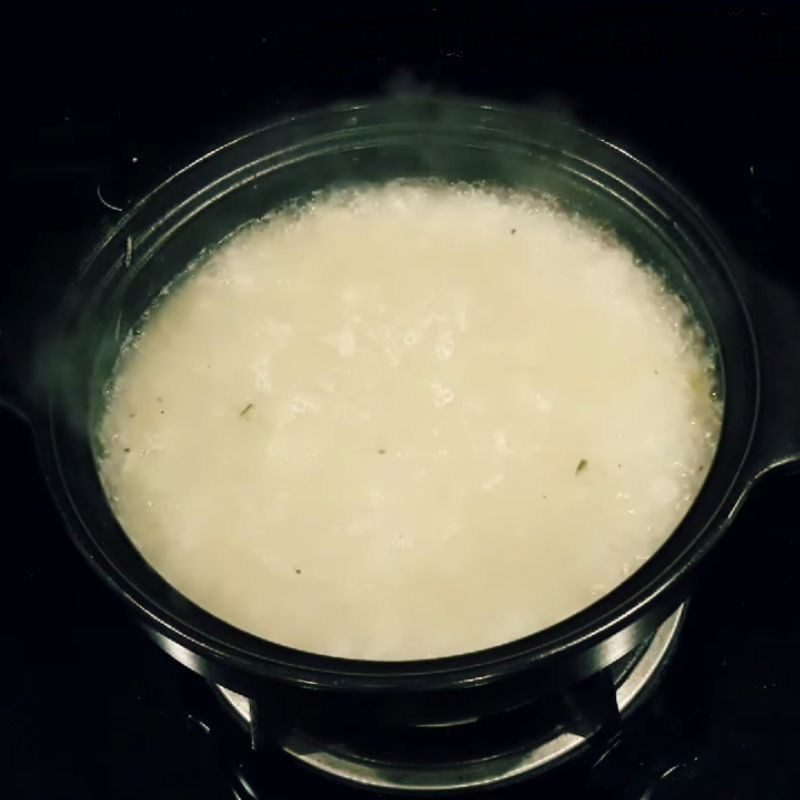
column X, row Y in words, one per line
column 246, row 410
column 298, row 572
column 513, row 231
column 582, row 464
column 382, row 451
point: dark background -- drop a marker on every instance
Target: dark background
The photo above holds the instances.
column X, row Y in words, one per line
column 113, row 101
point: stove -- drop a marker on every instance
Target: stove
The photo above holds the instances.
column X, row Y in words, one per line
column 708, row 708
column 475, row 753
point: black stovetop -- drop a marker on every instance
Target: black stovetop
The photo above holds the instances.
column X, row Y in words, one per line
column 91, row 709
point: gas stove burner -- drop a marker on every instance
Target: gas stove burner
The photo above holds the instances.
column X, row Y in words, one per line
column 475, row 753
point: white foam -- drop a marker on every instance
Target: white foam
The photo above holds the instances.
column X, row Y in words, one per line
column 385, row 426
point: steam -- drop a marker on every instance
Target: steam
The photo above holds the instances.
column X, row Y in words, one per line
column 76, row 354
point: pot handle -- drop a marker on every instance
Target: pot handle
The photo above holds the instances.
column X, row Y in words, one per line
column 13, row 397
column 776, row 319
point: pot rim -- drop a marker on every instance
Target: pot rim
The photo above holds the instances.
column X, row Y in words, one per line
column 657, row 583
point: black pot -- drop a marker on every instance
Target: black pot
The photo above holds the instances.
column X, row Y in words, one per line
column 754, row 331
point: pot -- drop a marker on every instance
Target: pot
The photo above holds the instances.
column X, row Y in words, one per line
column 753, row 330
